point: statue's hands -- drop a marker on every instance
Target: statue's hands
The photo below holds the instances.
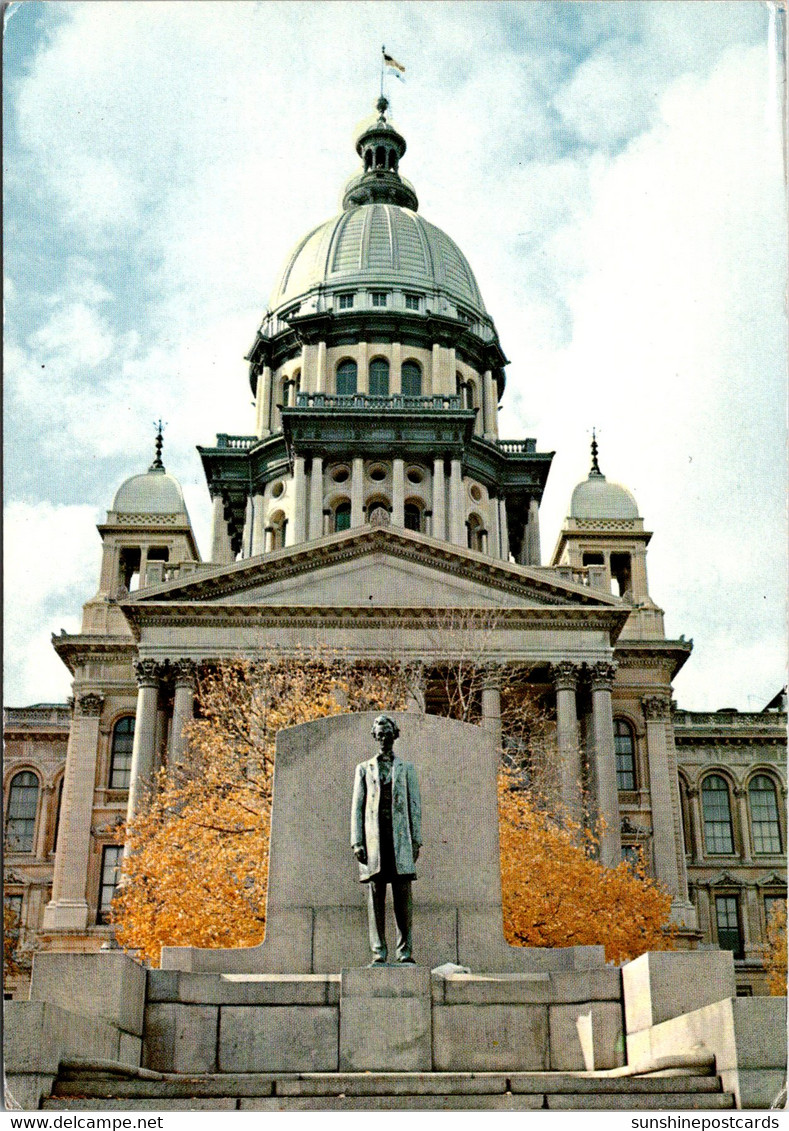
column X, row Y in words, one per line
column 416, row 852
column 360, row 853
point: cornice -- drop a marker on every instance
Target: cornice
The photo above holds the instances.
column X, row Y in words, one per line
column 76, row 648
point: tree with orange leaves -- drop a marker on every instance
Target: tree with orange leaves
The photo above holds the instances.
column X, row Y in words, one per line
column 555, row 893
column 775, row 951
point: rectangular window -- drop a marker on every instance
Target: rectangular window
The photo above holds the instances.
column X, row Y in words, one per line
column 728, row 920
column 346, row 301
column 379, row 298
column 110, row 875
column 412, row 302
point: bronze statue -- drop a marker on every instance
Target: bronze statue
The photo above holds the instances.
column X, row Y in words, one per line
column 386, row 835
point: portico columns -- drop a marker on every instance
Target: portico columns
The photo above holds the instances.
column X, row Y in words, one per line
column 183, row 707
column 604, row 761
column 398, row 492
column 299, row 500
column 491, row 705
column 357, row 492
column 68, row 908
column 664, row 826
column 144, row 747
column 316, row 498
column 565, row 680
column 439, row 500
column 457, row 511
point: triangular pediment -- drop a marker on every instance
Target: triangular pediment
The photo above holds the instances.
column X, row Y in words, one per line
column 375, row 567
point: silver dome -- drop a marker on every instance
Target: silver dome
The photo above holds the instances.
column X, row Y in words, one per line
column 595, row 497
column 155, row 492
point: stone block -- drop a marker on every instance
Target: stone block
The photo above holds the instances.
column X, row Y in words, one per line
column 180, row 1038
column 660, row 985
column 106, row 984
column 162, row 985
column 468, row 989
column 607, row 1036
column 385, row 981
column 490, row 1038
column 757, row 1089
column 394, row 1103
column 401, row 1083
column 255, row 989
column 37, row 1035
column 129, row 1049
column 26, row 1090
column 385, row 1034
column 278, row 1038
column 339, row 936
column 603, row 984
column 660, row 1101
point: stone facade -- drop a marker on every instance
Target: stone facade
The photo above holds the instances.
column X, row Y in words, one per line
column 376, row 510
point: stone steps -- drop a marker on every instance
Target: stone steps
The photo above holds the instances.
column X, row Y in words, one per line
column 112, row 1087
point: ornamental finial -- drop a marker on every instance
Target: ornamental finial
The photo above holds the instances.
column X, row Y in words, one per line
column 157, row 464
column 595, row 465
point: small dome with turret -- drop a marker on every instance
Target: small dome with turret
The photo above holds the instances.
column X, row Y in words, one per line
column 153, row 492
column 596, row 497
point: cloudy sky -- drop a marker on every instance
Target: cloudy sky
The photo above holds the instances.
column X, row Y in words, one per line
column 613, row 172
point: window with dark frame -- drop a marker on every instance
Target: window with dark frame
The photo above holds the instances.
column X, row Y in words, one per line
column 380, row 298
column 727, row 917
column 20, row 826
column 716, row 810
column 346, row 378
column 765, row 828
column 121, row 753
column 412, row 302
column 411, row 379
column 624, row 748
column 412, row 517
column 379, row 377
column 342, row 517
column 346, row 301
column 110, row 874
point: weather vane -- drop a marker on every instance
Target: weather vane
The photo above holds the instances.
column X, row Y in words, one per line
column 157, row 463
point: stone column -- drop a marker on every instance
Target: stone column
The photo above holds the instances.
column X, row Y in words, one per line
column 533, row 533
column 258, row 530
column 489, row 403
column 495, row 531
column 268, row 538
column 68, row 908
column 695, row 824
column 415, row 692
column 704, row 913
column 42, row 824
column 398, row 492
column 221, row 549
column 491, row 705
column 321, row 369
column 396, row 369
column 183, row 707
column 299, row 500
column 249, row 516
column 263, row 403
column 505, row 534
column 751, row 923
column 745, row 823
column 568, row 740
column 144, row 746
column 316, row 498
column 357, row 492
column 161, row 737
column 457, row 515
column 604, row 761
column 656, row 712
column 439, row 500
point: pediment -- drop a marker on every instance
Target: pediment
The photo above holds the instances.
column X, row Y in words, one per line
column 375, row 568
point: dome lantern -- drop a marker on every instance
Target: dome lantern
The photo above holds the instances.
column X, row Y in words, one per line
column 380, row 147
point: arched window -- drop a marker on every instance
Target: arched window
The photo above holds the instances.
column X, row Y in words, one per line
column 380, row 157
column 121, row 753
column 379, row 377
column 475, row 534
column 392, row 159
column 346, row 378
column 276, row 530
column 625, row 750
column 368, row 159
column 717, row 815
column 765, row 828
column 342, row 516
column 20, row 823
column 412, row 519
column 411, row 379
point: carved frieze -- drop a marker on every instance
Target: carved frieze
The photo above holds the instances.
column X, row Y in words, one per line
column 602, row 675
column 184, row 672
column 147, row 673
column 565, row 675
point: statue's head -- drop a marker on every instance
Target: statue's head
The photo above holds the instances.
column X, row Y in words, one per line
column 384, row 725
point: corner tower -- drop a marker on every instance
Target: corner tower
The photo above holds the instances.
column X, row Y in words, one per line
column 377, row 373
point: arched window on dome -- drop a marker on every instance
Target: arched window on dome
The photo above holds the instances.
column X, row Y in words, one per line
column 625, row 752
column 342, row 516
column 368, row 160
column 121, row 753
column 20, row 825
column 716, row 809
column 765, row 827
column 379, row 377
column 412, row 517
column 380, row 157
column 411, row 379
column 346, row 378
column 392, row 159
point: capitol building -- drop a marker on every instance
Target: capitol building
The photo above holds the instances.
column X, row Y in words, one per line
column 375, row 504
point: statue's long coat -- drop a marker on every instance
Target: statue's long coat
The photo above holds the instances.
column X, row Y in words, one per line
column 406, row 816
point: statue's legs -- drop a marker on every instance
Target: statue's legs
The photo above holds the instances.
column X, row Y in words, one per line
column 376, row 919
column 403, row 914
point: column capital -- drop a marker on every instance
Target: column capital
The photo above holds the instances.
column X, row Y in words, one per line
column 184, row 672
column 692, row 792
column 656, row 706
column 740, row 791
column 147, row 673
column 565, row 675
column 90, row 704
column 602, row 675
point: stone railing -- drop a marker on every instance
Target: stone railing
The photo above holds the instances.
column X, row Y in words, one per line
column 517, row 447
column 238, row 443
column 397, row 402
column 725, row 718
column 593, row 577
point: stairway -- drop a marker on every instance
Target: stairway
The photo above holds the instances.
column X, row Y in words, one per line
column 106, row 1086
